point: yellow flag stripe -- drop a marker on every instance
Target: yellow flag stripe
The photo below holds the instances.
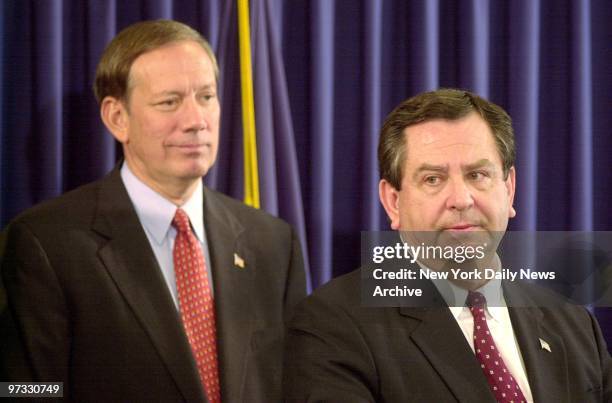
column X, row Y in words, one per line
column 251, row 176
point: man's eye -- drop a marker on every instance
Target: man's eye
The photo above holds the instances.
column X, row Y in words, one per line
column 168, row 103
column 477, row 176
column 207, row 97
column 432, row 180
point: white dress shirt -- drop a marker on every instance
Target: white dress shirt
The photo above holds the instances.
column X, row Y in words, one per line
column 498, row 321
column 156, row 213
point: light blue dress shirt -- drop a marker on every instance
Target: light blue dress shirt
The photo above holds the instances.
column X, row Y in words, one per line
column 156, row 213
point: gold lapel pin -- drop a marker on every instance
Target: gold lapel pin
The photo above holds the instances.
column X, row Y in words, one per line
column 238, row 261
column 545, row 345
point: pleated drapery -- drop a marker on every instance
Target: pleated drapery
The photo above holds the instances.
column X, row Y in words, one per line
column 326, row 72
column 548, row 63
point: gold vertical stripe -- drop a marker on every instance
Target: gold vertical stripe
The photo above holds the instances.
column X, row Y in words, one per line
column 251, row 176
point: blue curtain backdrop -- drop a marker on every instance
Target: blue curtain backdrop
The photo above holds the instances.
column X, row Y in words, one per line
column 326, row 73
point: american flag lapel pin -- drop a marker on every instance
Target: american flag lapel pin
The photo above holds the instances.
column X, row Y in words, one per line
column 238, row 261
column 545, row 346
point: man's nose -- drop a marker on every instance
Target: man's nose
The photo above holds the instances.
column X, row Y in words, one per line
column 460, row 195
column 193, row 115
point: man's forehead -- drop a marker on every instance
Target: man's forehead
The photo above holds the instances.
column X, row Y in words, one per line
column 470, row 123
column 469, row 130
column 186, row 44
column 172, row 63
column 174, row 55
column 440, row 141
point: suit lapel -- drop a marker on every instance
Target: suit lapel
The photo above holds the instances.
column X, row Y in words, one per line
column 129, row 260
column 443, row 344
column 233, row 286
column 546, row 370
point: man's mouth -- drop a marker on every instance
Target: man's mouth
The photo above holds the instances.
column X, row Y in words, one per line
column 191, row 147
column 463, row 227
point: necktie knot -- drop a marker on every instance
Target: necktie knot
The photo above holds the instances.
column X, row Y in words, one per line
column 181, row 221
column 475, row 300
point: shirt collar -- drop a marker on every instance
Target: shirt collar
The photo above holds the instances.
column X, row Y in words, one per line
column 456, row 296
column 156, row 212
column 194, row 207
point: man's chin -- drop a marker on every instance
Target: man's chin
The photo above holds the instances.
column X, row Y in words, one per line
column 193, row 170
column 476, row 236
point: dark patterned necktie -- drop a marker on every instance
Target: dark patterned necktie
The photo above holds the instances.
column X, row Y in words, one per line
column 502, row 383
column 196, row 304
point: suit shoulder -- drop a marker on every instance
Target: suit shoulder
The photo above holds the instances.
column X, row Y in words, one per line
column 339, row 294
column 558, row 312
column 336, row 309
column 523, row 293
column 342, row 288
column 61, row 211
column 243, row 212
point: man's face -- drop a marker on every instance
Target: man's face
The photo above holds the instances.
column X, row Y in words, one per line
column 171, row 130
column 452, row 180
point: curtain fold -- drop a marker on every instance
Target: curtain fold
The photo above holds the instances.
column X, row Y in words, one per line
column 320, row 177
column 326, row 74
column 522, row 99
column 279, row 174
column 47, row 80
column 581, row 120
column 372, row 114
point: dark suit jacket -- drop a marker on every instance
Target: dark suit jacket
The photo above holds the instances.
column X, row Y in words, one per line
column 88, row 305
column 339, row 351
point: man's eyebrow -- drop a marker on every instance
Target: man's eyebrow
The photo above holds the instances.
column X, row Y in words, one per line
column 483, row 163
column 165, row 93
column 207, row 86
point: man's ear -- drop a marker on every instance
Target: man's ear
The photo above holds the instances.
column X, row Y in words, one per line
column 511, row 187
column 114, row 114
column 389, row 197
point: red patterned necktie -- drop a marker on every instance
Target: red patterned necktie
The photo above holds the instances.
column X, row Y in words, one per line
column 196, row 304
column 502, row 383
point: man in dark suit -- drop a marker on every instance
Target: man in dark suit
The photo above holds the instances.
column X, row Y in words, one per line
column 93, row 294
column 446, row 160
